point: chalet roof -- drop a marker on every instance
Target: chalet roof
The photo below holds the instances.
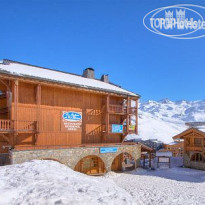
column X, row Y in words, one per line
column 145, row 148
column 19, row 69
column 188, row 131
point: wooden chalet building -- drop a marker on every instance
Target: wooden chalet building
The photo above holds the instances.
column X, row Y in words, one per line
column 176, row 147
column 194, row 147
column 77, row 120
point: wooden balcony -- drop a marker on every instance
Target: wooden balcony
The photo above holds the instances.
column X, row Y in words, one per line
column 133, row 110
column 8, row 126
column 117, row 109
column 120, row 109
column 195, row 147
column 3, row 110
column 2, row 95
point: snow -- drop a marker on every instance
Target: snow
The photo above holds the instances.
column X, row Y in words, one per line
column 165, row 118
column 57, row 76
column 164, row 186
column 48, row 182
column 132, row 136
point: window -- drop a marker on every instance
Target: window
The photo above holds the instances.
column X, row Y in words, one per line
column 197, row 157
column 197, row 141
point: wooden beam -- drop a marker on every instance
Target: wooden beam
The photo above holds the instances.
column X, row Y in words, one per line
column 16, row 83
column 4, row 137
column 38, row 102
column 107, row 113
column 128, row 107
column 136, row 125
column 5, row 84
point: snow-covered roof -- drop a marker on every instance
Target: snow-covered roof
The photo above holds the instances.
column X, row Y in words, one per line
column 30, row 71
column 173, row 143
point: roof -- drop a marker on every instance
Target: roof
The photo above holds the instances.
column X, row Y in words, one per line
column 146, row 148
column 19, row 69
column 189, row 131
column 163, row 154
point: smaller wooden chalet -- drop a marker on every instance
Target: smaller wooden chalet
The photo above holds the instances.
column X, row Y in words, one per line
column 78, row 120
column 176, row 147
column 194, row 147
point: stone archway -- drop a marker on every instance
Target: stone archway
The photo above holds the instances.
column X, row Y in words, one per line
column 91, row 165
column 123, row 161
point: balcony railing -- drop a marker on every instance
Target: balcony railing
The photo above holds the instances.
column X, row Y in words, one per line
column 6, row 125
column 22, row 126
column 117, row 109
column 27, row 126
column 133, row 110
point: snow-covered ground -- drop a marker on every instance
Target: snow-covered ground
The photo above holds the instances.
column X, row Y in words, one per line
column 48, row 182
column 164, row 119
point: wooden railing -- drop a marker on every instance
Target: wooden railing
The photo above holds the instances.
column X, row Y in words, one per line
column 27, row 126
column 117, row 109
column 6, row 125
column 22, row 126
column 133, row 110
column 122, row 109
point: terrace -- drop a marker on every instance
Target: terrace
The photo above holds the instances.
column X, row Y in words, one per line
column 10, row 126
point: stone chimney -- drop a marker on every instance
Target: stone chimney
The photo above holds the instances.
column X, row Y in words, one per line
column 89, row 73
column 105, row 78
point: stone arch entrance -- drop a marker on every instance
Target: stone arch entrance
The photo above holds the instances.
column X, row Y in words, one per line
column 123, row 161
column 91, row 165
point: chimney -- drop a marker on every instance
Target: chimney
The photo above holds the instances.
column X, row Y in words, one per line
column 105, row 78
column 89, row 73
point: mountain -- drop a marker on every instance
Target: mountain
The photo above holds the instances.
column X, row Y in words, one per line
column 165, row 118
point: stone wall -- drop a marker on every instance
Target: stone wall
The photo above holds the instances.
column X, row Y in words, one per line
column 71, row 156
column 192, row 164
column 4, row 159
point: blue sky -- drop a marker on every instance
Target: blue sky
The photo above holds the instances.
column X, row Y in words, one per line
column 108, row 36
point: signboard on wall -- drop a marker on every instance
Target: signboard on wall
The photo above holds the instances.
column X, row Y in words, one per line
column 71, row 121
column 164, row 159
column 117, row 128
column 104, row 150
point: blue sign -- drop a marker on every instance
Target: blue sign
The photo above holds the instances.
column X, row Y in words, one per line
column 72, row 116
column 108, row 150
column 117, row 128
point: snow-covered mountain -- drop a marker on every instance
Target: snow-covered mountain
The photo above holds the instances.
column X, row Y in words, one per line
column 163, row 119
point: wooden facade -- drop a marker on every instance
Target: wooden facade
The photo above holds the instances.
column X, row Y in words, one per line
column 177, row 148
column 31, row 114
column 194, row 146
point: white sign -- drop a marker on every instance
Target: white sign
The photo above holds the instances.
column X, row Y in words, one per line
column 163, row 160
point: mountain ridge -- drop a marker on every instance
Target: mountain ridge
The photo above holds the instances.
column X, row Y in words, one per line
column 164, row 119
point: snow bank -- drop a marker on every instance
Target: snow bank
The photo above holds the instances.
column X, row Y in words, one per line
column 48, row 182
